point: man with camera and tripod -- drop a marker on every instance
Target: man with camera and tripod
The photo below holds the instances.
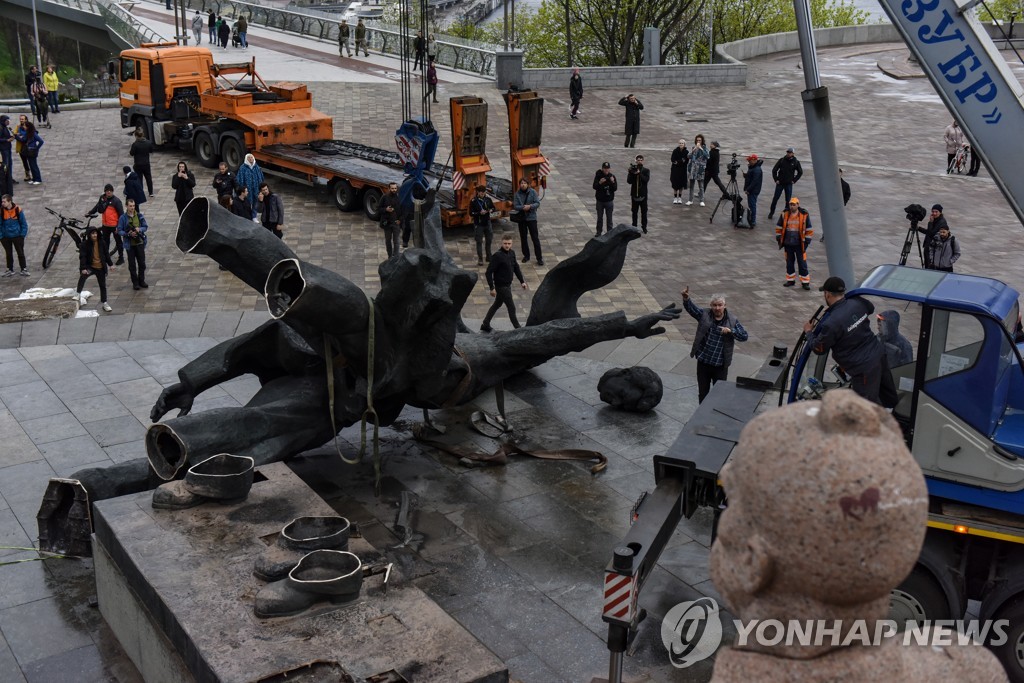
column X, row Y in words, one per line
column 638, row 178
column 937, row 222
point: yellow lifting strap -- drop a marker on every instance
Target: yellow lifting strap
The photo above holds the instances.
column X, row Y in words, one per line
column 369, row 412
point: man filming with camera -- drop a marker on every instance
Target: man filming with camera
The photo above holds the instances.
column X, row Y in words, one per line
column 712, row 169
column 638, row 179
column 937, row 222
column 752, row 180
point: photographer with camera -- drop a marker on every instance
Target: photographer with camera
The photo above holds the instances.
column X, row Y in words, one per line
column 752, row 180
column 638, row 179
column 605, row 186
column 131, row 227
column 712, row 169
column 633, row 107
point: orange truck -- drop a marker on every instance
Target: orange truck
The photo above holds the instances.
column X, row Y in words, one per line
column 179, row 96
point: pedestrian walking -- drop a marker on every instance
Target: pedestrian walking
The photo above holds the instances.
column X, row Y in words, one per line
column 224, row 185
column 140, row 151
column 223, row 32
column 712, row 169
column 935, row 223
column 605, row 186
column 752, row 182
column 677, row 176
column 211, row 23
column 94, row 259
column 500, row 271
column 109, row 208
column 391, row 219
column 944, row 250
column 431, row 80
column 6, row 138
column 718, row 330
column 250, row 175
column 13, row 231
column 197, row 27
column 242, row 26
column 575, row 93
column 638, row 179
column 361, row 38
column 271, row 210
column 41, row 103
column 695, row 169
column 420, row 48
column 52, row 83
column 786, row 172
column 182, row 182
column 633, row 108
column 480, row 209
column 133, row 187
column 131, row 227
column 344, row 33
column 793, row 233
column 31, row 144
column 524, row 203
column 432, row 47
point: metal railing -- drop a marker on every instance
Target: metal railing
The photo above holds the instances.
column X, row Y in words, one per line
column 121, row 23
column 453, row 52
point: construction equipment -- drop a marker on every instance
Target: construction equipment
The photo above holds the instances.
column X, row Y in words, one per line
column 178, row 95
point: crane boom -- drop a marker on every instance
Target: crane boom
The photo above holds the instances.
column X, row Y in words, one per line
column 974, row 81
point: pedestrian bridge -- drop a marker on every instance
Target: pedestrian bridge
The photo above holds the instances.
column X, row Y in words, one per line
column 111, row 25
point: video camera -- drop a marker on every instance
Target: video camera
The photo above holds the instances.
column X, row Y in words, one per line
column 915, row 213
column 734, row 165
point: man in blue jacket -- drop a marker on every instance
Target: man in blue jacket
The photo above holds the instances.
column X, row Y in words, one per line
column 524, row 203
column 133, row 187
column 131, row 226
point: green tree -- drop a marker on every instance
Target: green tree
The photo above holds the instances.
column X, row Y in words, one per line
column 1002, row 10
column 610, row 32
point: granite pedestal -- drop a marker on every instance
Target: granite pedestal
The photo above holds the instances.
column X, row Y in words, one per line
column 176, row 588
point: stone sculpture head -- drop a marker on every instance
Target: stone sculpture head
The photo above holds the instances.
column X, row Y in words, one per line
column 827, row 512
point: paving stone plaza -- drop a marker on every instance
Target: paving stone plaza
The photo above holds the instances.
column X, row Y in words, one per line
column 515, row 554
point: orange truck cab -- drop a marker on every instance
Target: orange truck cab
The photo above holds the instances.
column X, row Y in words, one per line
column 162, row 82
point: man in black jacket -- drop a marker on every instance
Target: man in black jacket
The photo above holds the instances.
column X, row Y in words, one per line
column 480, row 209
column 638, row 178
column 786, row 172
column 140, row 151
column 502, row 267
column 712, row 170
column 391, row 219
column 420, row 48
column 224, row 184
column 937, row 222
column 605, row 186
column 575, row 93
column 133, row 187
column 845, row 330
column 240, row 206
column 271, row 210
column 752, row 185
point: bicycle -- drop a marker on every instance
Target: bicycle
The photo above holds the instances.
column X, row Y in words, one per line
column 68, row 225
column 961, row 161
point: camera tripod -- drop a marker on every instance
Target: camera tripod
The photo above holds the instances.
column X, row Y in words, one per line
column 908, row 244
column 731, row 194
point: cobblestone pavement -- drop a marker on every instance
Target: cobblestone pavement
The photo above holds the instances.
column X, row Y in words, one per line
column 531, row 537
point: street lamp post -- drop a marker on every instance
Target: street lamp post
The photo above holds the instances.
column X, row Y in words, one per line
column 35, row 27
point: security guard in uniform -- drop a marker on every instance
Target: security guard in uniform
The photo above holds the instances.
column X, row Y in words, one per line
column 845, row 330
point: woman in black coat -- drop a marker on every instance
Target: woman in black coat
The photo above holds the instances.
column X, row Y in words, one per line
column 680, row 156
column 183, row 181
column 633, row 107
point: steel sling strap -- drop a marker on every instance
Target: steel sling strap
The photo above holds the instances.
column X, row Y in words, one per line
column 370, row 411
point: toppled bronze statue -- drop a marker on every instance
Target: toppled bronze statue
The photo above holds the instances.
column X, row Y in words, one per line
column 827, row 514
column 333, row 355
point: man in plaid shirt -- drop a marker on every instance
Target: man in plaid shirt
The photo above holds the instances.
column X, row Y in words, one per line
column 717, row 332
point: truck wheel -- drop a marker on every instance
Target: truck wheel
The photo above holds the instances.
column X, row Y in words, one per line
column 1011, row 653
column 204, row 149
column 918, row 598
column 233, row 154
column 346, row 198
column 371, row 203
